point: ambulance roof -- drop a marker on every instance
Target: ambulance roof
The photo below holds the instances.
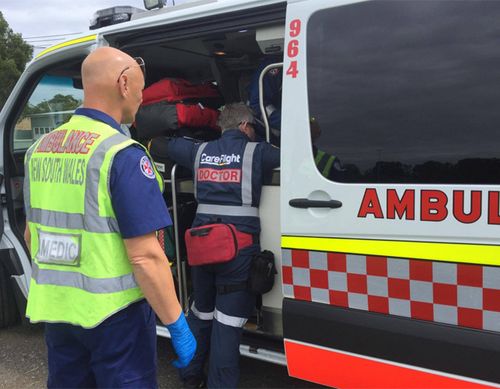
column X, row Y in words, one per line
column 167, row 15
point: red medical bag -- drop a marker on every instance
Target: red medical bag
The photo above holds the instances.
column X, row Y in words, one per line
column 214, row 243
column 174, row 103
column 196, row 115
column 176, row 90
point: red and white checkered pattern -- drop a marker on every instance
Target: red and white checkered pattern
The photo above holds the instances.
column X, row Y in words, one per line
column 452, row 293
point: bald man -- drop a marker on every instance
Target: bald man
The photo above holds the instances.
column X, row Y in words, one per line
column 98, row 268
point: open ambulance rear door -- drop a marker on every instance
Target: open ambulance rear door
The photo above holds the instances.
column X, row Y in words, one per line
column 391, row 269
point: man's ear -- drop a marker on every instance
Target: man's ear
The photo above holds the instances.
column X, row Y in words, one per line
column 241, row 126
column 123, row 85
column 244, row 127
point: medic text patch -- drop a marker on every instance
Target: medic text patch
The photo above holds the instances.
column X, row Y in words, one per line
column 57, row 248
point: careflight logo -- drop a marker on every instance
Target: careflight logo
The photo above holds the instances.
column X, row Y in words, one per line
column 220, row 160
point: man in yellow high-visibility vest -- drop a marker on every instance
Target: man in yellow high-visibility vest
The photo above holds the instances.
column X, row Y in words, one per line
column 328, row 165
column 93, row 204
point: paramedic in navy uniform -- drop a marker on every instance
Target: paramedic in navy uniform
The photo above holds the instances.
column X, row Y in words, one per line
column 121, row 350
column 220, row 307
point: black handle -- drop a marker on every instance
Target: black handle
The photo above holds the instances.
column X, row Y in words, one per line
column 306, row 203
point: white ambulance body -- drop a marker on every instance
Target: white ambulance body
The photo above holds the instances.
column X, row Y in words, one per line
column 389, row 275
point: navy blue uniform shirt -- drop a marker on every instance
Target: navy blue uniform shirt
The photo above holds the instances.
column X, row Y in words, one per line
column 136, row 197
column 232, row 143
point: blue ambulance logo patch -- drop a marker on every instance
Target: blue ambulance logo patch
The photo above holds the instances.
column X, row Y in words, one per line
column 147, row 168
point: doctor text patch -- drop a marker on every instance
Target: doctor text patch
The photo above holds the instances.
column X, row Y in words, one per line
column 223, row 175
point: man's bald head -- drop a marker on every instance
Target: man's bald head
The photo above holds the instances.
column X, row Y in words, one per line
column 111, row 81
column 102, row 67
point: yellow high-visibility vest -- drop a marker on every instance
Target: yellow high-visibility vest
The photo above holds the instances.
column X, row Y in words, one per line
column 81, row 272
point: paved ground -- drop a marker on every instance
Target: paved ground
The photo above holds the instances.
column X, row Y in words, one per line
column 23, row 364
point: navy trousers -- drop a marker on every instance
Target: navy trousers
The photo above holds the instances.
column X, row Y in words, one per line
column 118, row 353
column 217, row 320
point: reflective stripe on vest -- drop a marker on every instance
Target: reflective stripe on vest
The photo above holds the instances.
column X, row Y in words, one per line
column 83, row 282
column 245, row 209
column 73, row 221
column 90, row 220
column 246, row 172
column 197, row 167
column 324, row 165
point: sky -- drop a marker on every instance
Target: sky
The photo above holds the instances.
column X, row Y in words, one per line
column 45, row 23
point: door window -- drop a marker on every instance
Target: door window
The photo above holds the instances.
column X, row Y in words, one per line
column 50, row 105
column 406, row 91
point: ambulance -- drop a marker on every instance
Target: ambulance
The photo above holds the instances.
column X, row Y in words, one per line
column 389, row 274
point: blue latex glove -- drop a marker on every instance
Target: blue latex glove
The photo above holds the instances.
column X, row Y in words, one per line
column 183, row 341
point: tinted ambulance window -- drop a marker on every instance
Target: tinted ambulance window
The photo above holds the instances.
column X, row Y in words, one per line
column 408, row 91
column 50, row 105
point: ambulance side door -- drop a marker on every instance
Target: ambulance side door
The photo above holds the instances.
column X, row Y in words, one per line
column 390, row 195
column 44, row 97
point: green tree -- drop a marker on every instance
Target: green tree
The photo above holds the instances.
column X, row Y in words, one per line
column 57, row 103
column 14, row 53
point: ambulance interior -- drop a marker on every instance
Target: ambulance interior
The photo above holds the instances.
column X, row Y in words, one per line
column 229, row 60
